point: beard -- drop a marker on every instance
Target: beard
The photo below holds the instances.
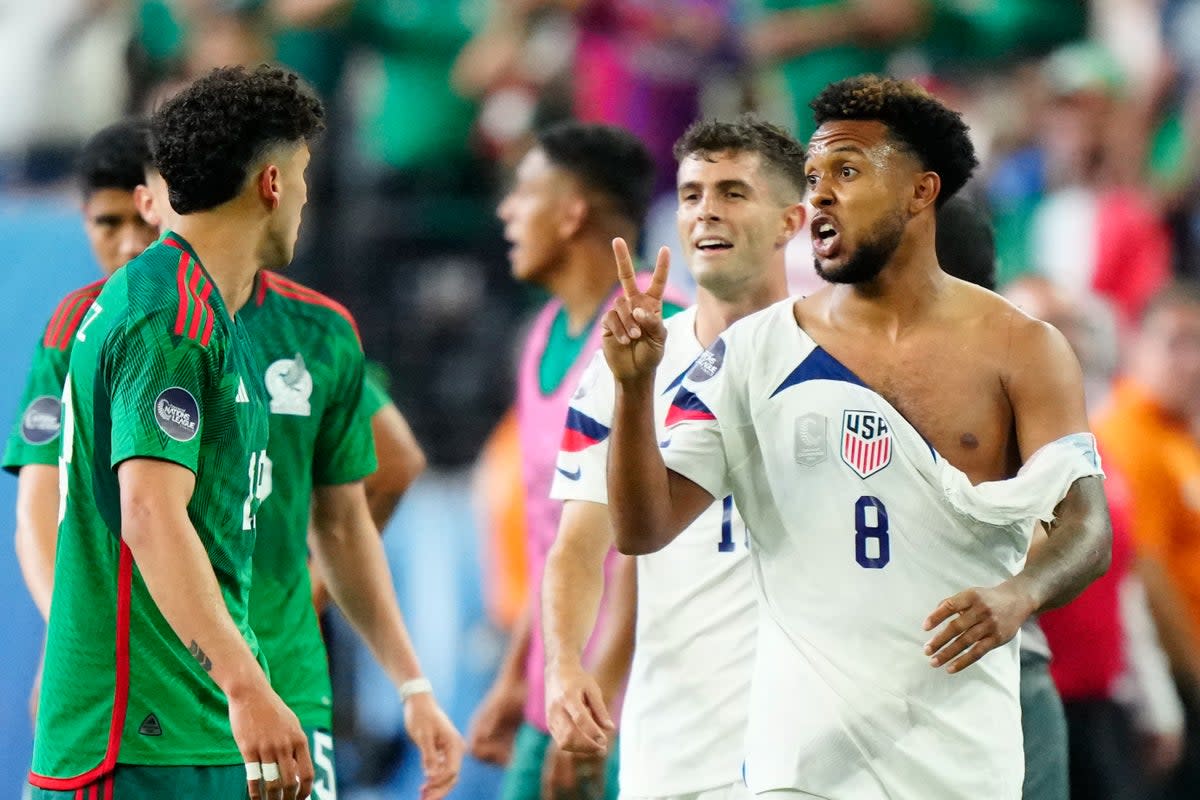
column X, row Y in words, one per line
column 865, row 264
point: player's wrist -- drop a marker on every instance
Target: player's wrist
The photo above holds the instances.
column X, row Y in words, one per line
column 414, row 688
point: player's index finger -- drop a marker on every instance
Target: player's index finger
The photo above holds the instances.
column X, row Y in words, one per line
column 662, row 268
column 625, row 272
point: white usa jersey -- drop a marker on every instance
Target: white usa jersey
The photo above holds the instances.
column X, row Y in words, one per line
column 683, row 723
column 858, row 530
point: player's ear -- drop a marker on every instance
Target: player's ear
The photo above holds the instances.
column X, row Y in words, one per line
column 268, row 186
column 575, row 210
column 925, row 192
column 143, row 200
column 792, row 221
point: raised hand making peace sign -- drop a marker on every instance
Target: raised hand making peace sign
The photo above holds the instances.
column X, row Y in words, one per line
column 633, row 333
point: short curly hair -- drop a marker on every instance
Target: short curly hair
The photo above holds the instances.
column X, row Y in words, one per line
column 917, row 121
column 605, row 159
column 114, row 157
column 777, row 148
column 207, row 137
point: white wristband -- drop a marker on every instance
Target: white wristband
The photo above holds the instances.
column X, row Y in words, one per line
column 415, row 686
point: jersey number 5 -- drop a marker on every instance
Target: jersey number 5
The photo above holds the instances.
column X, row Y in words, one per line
column 872, row 547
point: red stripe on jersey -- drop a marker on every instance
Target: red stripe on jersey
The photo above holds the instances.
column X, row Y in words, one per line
column 54, row 332
column 295, row 291
column 198, row 309
column 108, row 788
column 260, row 290
column 181, row 282
column 206, row 335
column 79, row 794
column 94, row 792
column 120, row 694
column 57, row 332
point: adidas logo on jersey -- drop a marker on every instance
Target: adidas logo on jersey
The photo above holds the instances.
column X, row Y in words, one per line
column 242, row 395
column 150, row 726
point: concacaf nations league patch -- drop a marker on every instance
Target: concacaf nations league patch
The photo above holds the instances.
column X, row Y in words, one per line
column 708, row 363
column 177, row 413
column 41, row 421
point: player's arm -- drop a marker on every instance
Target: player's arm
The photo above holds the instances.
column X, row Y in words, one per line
column 177, row 572
column 649, row 504
column 351, row 556
column 576, row 703
column 36, row 536
column 1045, row 387
column 494, row 726
column 401, row 461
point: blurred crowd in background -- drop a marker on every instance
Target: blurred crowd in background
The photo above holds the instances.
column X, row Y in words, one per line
column 1085, row 114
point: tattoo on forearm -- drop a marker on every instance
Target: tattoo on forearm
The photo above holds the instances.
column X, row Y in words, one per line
column 199, row 655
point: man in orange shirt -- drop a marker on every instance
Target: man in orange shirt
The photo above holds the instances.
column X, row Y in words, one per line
column 1147, row 433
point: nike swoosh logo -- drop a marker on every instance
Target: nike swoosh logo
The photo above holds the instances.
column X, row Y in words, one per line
column 571, row 476
column 665, row 443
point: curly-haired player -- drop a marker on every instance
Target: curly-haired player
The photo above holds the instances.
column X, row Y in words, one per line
column 890, row 441
column 153, row 683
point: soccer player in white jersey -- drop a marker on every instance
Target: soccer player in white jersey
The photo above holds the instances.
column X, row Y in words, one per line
column 683, row 721
column 890, row 441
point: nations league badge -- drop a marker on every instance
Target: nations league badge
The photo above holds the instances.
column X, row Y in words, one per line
column 708, row 363
column 812, row 444
column 42, row 419
column 177, row 413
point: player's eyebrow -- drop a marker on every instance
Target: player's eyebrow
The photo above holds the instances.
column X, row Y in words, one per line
column 722, row 186
column 107, row 219
column 845, row 148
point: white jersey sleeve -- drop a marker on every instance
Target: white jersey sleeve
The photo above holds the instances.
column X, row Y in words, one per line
column 703, row 411
column 580, row 473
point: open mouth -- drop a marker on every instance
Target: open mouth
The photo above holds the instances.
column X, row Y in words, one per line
column 713, row 244
column 826, row 238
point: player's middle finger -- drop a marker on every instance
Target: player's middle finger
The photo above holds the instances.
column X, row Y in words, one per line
column 966, row 618
column 978, row 651
column 624, row 309
column 272, row 778
column 960, row 644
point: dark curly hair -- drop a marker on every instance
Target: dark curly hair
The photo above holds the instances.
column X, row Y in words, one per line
column 777, row 148
column 605, row 159
column 207, row 137
column 917, row 121
column 114, row 157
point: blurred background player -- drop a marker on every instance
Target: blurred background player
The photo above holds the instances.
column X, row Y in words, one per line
column 110, row 169
column 324, row 413
column 1148, row 431
column 163, row 458
column 740, row 192
column 579, row 187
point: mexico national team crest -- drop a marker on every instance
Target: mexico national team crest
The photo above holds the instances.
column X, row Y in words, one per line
column 290, row 385
column 866, row 442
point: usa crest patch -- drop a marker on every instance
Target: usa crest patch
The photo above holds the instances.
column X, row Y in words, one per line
column 866, row 442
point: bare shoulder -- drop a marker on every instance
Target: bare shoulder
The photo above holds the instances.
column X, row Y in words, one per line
column 1006, row 334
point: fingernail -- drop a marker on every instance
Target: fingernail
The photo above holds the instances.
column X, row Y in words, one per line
column 635, row 332
column 935, row 662
column 928, row 648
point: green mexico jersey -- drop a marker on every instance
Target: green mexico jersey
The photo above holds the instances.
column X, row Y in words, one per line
column 159, row 370
column 311, row 367
column 34, row 438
